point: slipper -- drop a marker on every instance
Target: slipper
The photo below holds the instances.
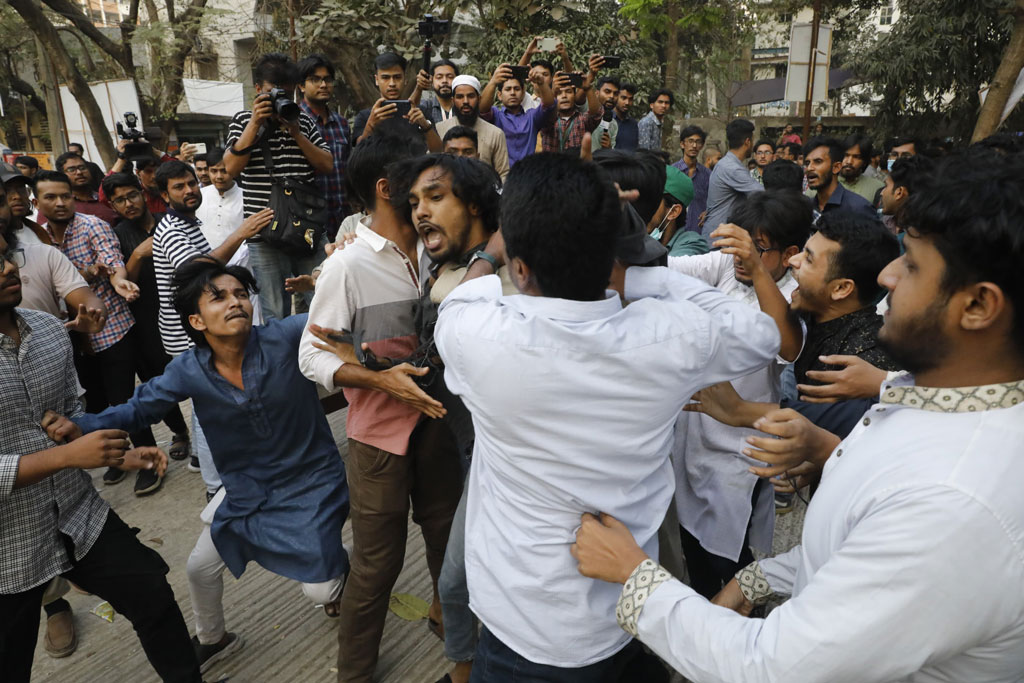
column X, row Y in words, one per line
column 333, row 609
column 436, row 628
column 446, row 679
column 180, row 447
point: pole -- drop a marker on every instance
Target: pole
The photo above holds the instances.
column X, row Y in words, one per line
column 292, row 11
column 812, row 68
column 54, row 109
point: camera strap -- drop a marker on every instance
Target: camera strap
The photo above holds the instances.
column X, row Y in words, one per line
column 268, row 157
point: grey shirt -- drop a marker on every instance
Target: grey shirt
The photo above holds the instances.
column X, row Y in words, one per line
column 730, row 180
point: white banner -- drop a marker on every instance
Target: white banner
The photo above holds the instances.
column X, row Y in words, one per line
column 114, row 99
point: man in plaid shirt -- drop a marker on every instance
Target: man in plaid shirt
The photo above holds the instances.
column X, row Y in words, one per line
column 52, row 520
column 565, row 130
column 316, row 81
column 105, row 360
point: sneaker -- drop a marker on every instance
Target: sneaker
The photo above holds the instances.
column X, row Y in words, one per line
column 60, row 640
column 783, row 501
column 147, row 481
column 208, row 655
column 193, row 464
column 113, row 476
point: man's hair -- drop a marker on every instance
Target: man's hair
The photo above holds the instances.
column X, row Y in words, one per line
column 215, row 156
column 143, row 164
column 461, row 132
column 115, row 180
column 911, row 172
column 372, row 157
column 169, row 170
column 275, row 68
column 785, row 218
column 65, row 158
column 794, row 148
column 867, row 148
column 308, row 66
column 836, row 151
column 783, row 174
column 1003, row 143
column 561, row 216
column 473, row 181
column 46, row 176
column 31, row 162
column 544, row 63
column 653, row 97
column 631, row 88
column 608, row 79
column 901, row 140
column 194, row 277
column 764, row 141
column 639, row 171
column 444, row 62
column 866, row 246
column 737, row 131
column 690, row 131
column 973, row 210
column 387, row 60
column 76, row 144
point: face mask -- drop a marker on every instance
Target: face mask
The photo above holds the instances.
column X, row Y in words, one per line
column 888, row 164
column 660, row 230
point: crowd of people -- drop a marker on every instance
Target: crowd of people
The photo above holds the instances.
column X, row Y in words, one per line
column 590, row 374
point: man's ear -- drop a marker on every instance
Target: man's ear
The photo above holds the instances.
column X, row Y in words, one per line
column 984, row 303
column 789, row 252
column 841, row 288
column 383, row 189
column 196, row 321
column 899, row 193
column 837, row 166
column 474, row 210
column 674, row 212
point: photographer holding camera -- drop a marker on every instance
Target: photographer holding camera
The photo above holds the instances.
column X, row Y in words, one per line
column 297, row 152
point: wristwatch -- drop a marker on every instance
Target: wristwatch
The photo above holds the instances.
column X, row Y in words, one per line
column 483, row 256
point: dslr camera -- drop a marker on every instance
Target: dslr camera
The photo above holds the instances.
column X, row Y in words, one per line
column 284, row 105
column 136, row 149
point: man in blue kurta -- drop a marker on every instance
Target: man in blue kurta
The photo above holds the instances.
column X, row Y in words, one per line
column 284, row 497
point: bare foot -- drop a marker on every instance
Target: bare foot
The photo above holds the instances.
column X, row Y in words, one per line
column 461, row 672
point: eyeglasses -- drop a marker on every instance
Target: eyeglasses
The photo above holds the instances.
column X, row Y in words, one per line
column 132, row 196
column 76, row 169
column 693, row 141
column 15, row 256
column 762, row 154
column 317, row 80
column 761, row 251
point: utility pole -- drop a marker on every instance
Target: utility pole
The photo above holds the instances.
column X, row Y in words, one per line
column 812, row 67
column 54, row 109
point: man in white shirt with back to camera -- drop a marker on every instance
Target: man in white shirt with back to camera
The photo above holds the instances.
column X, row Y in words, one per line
column 912, row 558
column 574, row 400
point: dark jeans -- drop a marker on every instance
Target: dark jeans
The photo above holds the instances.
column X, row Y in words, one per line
column 128, row 575
column 495, row 662
column 709, row 572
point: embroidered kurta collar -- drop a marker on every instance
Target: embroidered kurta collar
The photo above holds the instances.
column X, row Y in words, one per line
column 954, row 399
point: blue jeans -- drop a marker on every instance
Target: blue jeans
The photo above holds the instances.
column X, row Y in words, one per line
column 497, row 663
column 271, row 266
column 460, row 624
column 206, row 467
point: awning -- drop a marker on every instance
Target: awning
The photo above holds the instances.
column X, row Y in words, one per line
column 774, row 89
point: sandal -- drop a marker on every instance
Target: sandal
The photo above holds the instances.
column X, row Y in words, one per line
column 333, row 609
column 436, row 627
column 180, row 448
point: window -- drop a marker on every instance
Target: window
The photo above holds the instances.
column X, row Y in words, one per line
column 785, row 18
column 885, row 15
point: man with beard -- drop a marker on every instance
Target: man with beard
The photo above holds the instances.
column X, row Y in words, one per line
column 607, row 90
column 316, row 80
column 916, row 503
column 629, row 134
column 764, row 154
column 438, row 107
column 691, row 141
column 906, row 176
column 856, row 161
column 177, row 238
column 461, row 142
column 823, row 160
column 135, row 234
column 519, row 125
column 491, row 145
column 83, row 188
column 723, row 509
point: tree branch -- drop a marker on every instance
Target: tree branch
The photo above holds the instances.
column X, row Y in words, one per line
column 73, row 13
column 999, row 89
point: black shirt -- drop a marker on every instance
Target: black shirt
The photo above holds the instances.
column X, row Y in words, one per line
column 146, row 308
column 393, row 125
column 854, row 334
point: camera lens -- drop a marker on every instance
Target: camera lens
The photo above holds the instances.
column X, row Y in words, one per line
column 286, row 109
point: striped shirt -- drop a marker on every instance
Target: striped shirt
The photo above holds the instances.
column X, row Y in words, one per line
column 371, row 287
column 289, row 161
column 88, row 241
column 176, row 239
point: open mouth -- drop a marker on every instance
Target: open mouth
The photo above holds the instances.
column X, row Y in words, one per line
column 432, row 237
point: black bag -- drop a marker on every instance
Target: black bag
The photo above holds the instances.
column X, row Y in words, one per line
column 300, row 212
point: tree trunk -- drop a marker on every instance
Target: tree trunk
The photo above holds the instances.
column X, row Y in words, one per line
column 356, row 78
column 672, row 45
column 1002, row 83
column 37, row 22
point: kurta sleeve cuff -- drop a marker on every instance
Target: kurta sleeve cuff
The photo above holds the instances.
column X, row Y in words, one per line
column 754, row 584
column 644, row 580
column 8, row 474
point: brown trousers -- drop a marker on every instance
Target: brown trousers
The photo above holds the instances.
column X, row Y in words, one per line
column 381, row 486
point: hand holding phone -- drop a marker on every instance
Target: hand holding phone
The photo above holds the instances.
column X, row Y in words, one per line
column 547, row 44
column 612, row 62
column 402, row 107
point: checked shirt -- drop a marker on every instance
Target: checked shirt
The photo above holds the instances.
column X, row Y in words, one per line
column 36, row 376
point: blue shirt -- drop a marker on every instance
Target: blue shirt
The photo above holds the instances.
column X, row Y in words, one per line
column 729, row 181
column 700, row 178
column 629, row 134
column 844, row 200
column 520, row 128
column 287, row 497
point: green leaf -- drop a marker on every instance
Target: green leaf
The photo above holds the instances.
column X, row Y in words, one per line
column 409, row 607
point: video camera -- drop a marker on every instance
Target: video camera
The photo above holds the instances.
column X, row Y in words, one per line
column 428, row 28
column 135, row 150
